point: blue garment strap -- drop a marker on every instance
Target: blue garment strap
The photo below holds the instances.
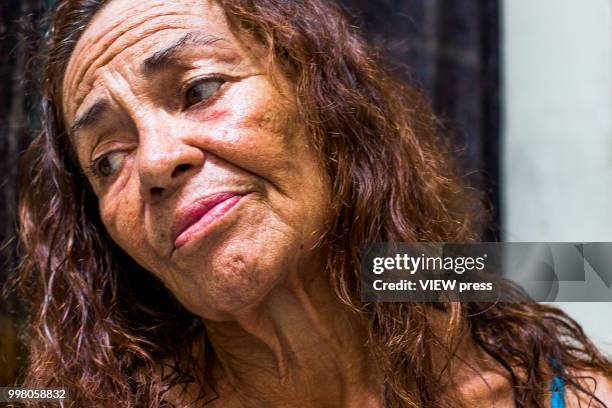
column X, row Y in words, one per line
column 557, row 386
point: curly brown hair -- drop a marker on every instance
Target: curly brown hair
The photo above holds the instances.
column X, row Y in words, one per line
column 102, row 332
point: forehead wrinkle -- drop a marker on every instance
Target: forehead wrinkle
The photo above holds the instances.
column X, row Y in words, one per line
column 108, row 53
column 104, row 33
column 126, row 98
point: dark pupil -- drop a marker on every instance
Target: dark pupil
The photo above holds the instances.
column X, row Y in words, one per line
column 201, row 91
column 105, row 167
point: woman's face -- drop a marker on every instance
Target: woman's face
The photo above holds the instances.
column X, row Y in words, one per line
column 203, row 172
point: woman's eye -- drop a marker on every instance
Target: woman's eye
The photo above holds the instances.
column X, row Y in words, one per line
column 109, row 164
column 202, row 91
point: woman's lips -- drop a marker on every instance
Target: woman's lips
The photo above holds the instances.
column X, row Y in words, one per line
column 200, row 214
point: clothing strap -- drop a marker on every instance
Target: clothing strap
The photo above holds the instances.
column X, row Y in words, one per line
column 557, row 386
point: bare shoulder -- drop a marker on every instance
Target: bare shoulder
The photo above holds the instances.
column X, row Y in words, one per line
column 596, row 383
column 488, row 388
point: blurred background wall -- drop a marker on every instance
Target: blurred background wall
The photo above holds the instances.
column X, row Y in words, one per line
column 557, row 136
column 18, row 21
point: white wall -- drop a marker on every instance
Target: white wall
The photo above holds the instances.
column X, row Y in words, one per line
column 557, row 162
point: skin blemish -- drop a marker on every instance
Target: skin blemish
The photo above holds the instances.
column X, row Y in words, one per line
column 215, row 115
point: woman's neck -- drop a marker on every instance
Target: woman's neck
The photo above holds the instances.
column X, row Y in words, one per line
column 299, row 347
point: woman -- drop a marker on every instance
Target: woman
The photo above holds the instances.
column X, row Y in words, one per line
column 194, row 208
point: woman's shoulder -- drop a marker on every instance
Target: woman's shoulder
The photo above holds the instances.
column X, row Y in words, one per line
column 481, row 380
column 487, row 388
column 493, row 388
column 595, row 383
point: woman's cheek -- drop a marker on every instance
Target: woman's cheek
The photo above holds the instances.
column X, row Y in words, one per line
column 122, row 216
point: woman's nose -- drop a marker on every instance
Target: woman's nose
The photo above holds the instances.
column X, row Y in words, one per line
column 165, row 162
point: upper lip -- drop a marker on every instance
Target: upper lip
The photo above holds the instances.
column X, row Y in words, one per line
column 189, row 215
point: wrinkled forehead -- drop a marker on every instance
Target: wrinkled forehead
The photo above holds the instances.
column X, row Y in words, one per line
column 124, row 30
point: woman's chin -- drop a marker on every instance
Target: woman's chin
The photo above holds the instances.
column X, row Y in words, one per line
column 235, row 280
column 237, row 266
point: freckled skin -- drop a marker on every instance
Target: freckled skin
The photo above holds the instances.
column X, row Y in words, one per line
column 247, row 140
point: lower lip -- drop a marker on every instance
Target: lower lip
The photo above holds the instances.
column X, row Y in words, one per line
column 218, row 211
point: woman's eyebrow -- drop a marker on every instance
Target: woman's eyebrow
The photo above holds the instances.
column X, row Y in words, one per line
column 88, row 119
column 166, row 56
